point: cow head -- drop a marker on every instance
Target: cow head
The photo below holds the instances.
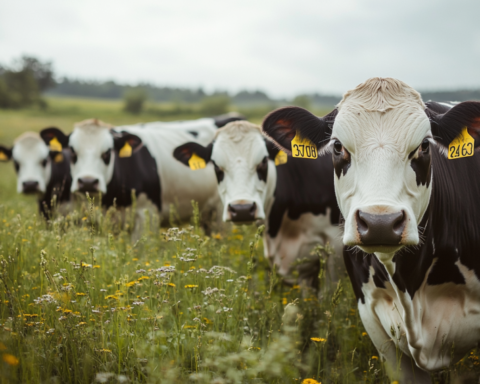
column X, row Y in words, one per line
column 94, row 146
column 380, row 138
column 32, row 162
column 240, row 156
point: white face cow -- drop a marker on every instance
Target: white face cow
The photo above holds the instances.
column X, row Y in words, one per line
column 246, row 177
column 92, row 144
column 32, row 162
column 380, row 144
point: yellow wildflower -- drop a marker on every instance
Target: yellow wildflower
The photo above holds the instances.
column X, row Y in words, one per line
column 191, row 286
column 85, row 265
column 310, row 381
column 82, row 323
column 318, row 339
column 207, row 321
column 67, row 311
column 84, row 218
column 80, row 294
column 96, row 266
column 131, row 284
column 374, row 357
column 104, row 350
column 216, row 236
column 143, row 278
column 10, row 359
column 171, row 284
column 135, row 259
column 284, row 301
column 189, row 326
column 364, row 333
column 111, row 297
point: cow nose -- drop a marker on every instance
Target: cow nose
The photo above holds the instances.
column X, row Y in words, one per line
column 383, row 229
column 30, row 186
column 242, row 212
column 87, row 184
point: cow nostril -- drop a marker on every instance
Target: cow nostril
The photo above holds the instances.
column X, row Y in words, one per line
column 399, row 223
column 361, row 224
column 231, row 209
column 253, row 209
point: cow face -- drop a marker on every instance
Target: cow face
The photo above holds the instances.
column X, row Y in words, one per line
column 380, row 138
column 242, row 164
column 32, row 163
column 93, row 147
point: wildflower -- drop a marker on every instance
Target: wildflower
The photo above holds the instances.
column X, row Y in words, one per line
column 96, row 266
column 364, row 333
column 104, row 350
column 143, row 278
column 284, row 301
column 130, row 284
column 10, row 359
column 189, row 326
column 140, row 271
column 85, row 265
column 111, row 297
column 80, row 294
column 374, row 357
column 171, row 284
column 103, row 290
column 67, row 311
column 135, row 259
column 190, row 286
column 138, row 303
column 310, row 381
column 81, row 323
column 318, row 339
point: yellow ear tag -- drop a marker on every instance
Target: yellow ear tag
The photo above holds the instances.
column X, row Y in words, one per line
column 281, row 158
column 126, row 150
column 58, row 158
column 55, row 145
column 303, row 148
column 462, row 146
column 196, row 162
column 3, row 156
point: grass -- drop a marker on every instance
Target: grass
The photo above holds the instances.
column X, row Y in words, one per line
column 81, row 303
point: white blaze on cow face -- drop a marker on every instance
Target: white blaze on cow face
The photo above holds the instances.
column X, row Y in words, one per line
column 246, row 177
column 92, row 156
column 32, row 163
column 379, row 130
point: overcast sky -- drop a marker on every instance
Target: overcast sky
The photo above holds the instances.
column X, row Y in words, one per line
column 282, row 47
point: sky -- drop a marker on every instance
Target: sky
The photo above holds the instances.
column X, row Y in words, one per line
column 284, row 48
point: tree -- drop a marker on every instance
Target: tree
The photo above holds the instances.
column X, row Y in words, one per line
column 302, row 101
column 134, row 100
column 215, row 105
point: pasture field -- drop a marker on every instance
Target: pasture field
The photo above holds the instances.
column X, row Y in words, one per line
column 80, row 302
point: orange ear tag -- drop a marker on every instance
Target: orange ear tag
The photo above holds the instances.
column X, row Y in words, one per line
column 3, row 156
column 303, row 148
column 196, row 162
column 126, row 150
column 281, row 158
column 55, row 145
column 462, row 146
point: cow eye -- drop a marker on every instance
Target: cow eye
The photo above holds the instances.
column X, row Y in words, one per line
column 337, row 147
column 425, row 145
column 218, row 172
column 106, row 156
column 262, row 169
column 73, row 159
column 44, row 163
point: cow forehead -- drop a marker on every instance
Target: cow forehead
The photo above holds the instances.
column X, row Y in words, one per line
column 29, row 148
column 92, row 138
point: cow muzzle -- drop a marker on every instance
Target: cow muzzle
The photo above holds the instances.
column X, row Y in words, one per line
column 87, row 184
column 242, row 213
column 30, row 187
column 380, row 229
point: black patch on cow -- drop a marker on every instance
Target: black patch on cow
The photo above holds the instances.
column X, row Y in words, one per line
column 59, row 184
column 73, row 155
column 106, row 156
column 193, row 133
column 184, row 152
column 138, row 172
column 437, row 107
column 223, row 120
column 303, row 186
column 123, row 137
column 262, row 169
column 218, row 172
column 341, row 159
column 445, row 268
column 7, row 152
column 16, row 165
column 422, row 165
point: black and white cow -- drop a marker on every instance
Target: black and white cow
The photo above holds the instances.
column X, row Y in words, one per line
column 253, row 188
column 139, row 157
column 40, row 171
column 410, row 214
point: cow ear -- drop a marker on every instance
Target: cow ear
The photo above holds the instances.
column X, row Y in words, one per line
column 54, row 138
column 449, row 125
column 184, row 152
column 5, row 153
column 282, row 125
column 126, row 143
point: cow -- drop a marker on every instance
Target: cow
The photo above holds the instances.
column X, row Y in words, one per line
column 406, row 185
column 139, row 157
column 253, row 188
column 40, row 171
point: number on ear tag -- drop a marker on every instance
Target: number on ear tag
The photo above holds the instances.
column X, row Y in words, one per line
column 3, row 156
column 303, row 148
column 58, row 158
column 196, row 162
column 281, row 158
column 55, row 145
column 462, row 146
column 126, row 150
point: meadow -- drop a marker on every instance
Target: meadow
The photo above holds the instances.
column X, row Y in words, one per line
column 80, row 302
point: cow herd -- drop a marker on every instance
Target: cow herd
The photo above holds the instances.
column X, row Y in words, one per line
column 387, row 179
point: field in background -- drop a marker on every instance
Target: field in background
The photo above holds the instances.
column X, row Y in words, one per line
column 81, row 303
